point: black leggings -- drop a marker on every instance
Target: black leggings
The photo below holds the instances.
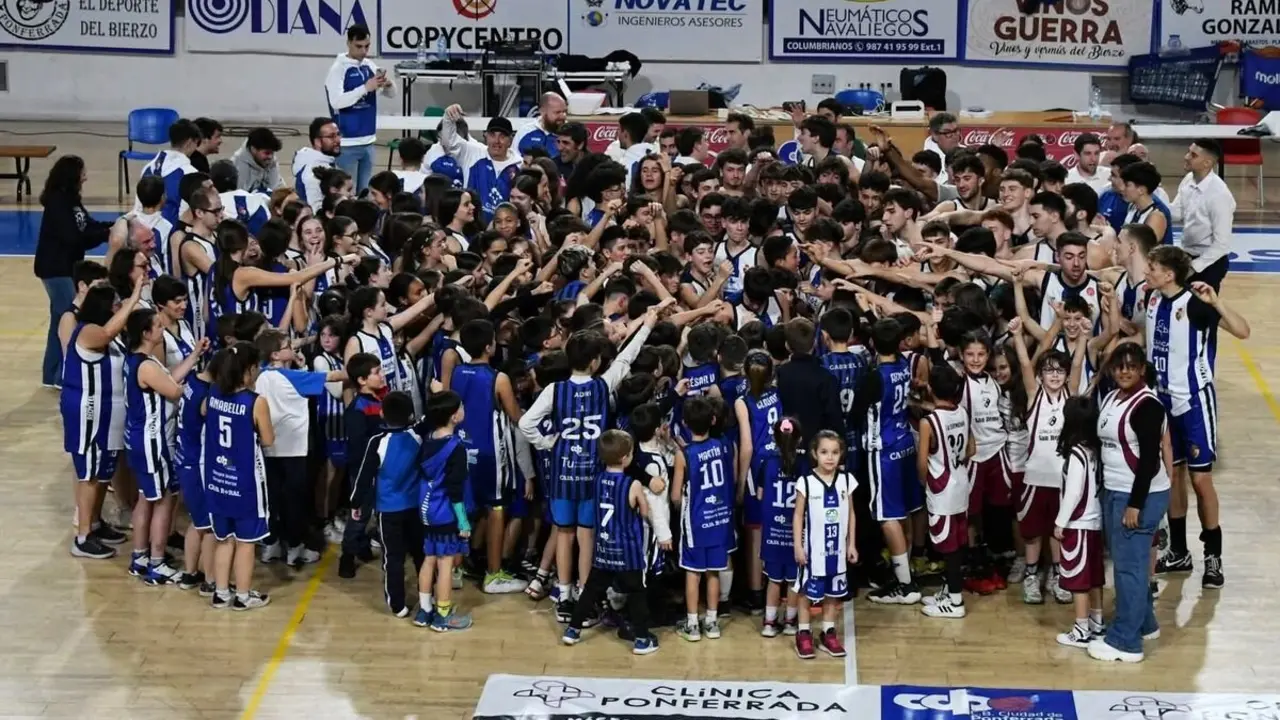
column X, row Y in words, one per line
column 629, row 582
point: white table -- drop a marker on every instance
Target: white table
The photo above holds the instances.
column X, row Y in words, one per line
column 409, row 123
column 1189, row 131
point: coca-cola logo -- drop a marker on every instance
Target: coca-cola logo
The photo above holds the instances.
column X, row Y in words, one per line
column 604, row 133
column 1000, row 137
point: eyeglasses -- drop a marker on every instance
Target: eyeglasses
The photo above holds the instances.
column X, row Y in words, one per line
column 949, row 133
column 1053, row 370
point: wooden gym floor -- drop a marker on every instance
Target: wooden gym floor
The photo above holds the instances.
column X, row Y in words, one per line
column 81, row 638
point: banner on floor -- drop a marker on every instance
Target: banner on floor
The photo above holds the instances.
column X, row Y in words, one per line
column 468, row 26
column 280, row 27
column 1200, row 23
column 842, row 31
column 123, row 26
column 1070, row 34
column 1059, row 144
column 681, row 30
column 514, row 697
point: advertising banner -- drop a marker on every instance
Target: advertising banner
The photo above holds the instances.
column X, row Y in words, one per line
column 125, row 26
column 1199, row 23
column 1066, row 34
column 1059, row 144
column 843, row 31
column 699, row 30
column 281, row 27
column 467, row 26
column 603, row 132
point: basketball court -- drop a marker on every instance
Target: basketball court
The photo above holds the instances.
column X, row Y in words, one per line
column 83, row 639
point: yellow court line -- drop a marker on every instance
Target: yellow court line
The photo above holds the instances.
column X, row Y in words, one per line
column 1255, row 372
column 286, row 637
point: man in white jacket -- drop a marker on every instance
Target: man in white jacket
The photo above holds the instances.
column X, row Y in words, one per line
column 351, row 86
column 324, row 137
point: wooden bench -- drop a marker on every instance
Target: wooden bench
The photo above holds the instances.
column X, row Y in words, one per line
column 22, row 155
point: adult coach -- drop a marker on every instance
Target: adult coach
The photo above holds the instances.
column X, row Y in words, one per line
column 66, row 231
column 350, row 86
column 552, row 112
column 1206, row 208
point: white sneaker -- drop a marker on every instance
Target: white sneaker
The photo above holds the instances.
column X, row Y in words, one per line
column 341, row 524
column 1153, row 635
column 332, row 534
column 711, row 628
column 375, row 544
column 457, row 578
column 1031, row 594
column 1100, row 650
column 1017, row 570
column 1055, row 587
column 124, row 519
column 273, row 552
column 1077, row 636
column 500, row 583
column 302, row 555
column 935, row 598
column 943, row 607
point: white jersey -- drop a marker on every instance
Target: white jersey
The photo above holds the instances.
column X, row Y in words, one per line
column 742, row 262
column 1055, row 289
column 1046, row 252
column 1120, row 443
column 116, row 353
column 179, row 342
column 1100, row 180
column 826, row 522
column 947, row 487
column 1132, row 297
column 1080, row 508
column 383, row 347
column 1179, row 349
column 410, row 180
column 199, row 286
column 982, row 403
column 1019, row 437
column 1044, row 465
column 161, row 229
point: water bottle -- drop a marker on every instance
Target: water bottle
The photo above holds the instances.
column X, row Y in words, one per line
column 442, row 49
column 422, row 52
column 1095, row 103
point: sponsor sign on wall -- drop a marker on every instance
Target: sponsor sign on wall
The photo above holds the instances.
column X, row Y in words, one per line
column 467, row 26
column 1199, row 23
column 1058, row 144
column 126, row 26
column 718, row 30
column 600, row 134
column 861, row 30
column 284, row 27
column 1076, row 34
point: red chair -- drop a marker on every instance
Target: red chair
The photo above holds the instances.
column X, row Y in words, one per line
column 1242, row 152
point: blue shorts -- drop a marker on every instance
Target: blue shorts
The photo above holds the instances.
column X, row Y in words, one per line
column 490, row 483
column 97, row 464
column 192, row 487
column 519, row 507
column 895, row 484
column 781, row 571
column 705, row 559
column 153, row 485
column 443, row 544
column 817, row 588
column 245, row 530
column 573, row 513
column 1195, row 432
column 335, row 451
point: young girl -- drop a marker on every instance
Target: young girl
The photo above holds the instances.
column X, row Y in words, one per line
column 372, row 331
column 330, row 408
column 946, row 444
column 775, row 487
column 990, row 498
column 197, row 555
column 237, row 426
column 1007, row 371
column 757, row 411
column 1078, row 526
column 1046, row 390
column 150, row 392
column 823, row 535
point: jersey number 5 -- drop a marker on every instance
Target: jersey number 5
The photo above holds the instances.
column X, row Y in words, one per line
column 224, row 431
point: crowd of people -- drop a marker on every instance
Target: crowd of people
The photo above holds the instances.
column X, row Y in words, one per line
column 651, row 384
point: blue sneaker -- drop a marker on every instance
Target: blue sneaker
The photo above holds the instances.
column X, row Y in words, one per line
column 645, row 646
column 572, row 636
column 424, row 617
column 139, row 565
column 452, row 622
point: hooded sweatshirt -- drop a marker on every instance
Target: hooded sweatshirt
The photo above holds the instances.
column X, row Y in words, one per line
column 353, row 108
column 305, row 182
column 253, row 177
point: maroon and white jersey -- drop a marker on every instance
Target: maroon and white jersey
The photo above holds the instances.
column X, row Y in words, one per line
column 948, row 483
column 1016, row 432
column 982, row 402
column 1079, row 507
column 1120, row 443
column 1044, row 465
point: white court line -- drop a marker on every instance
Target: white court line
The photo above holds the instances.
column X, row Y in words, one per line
column 850, row 646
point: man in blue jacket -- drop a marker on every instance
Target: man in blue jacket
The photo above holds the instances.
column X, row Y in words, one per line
column 350, row 87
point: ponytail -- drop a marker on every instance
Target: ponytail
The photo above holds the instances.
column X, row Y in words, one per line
column 758, row 368
column 230, row 236
column 238, row 360
column 786, row 434
column 137, row 326
column 361, row 301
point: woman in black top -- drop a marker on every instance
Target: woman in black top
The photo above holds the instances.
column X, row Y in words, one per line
column 66, row 232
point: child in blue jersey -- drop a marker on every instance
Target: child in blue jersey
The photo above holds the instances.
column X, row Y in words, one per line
column 86, row 408
column 824, row 528
column 846, row 366
column 389, row 472
column 776, row 487
column 881, row 401
column 288, row 390
column 489, row 400
column 552, row 367
column 197, row 552
column 621, row 545
column 237, row 425
column 363, row 420
column 443, row 475
column 756, row 412
column 150, row 394
column 330, row 409
column 704, row 488
column 579, row 409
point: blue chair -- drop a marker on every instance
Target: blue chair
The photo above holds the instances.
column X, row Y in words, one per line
column 148, row 126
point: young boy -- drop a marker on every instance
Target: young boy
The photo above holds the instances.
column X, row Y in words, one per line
column 552, row 367
column 287, row 391
column 489, row 402
column 704, row 489
column 389, row 471
column 621, row 541
column 443, row 472
column 363, row 420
